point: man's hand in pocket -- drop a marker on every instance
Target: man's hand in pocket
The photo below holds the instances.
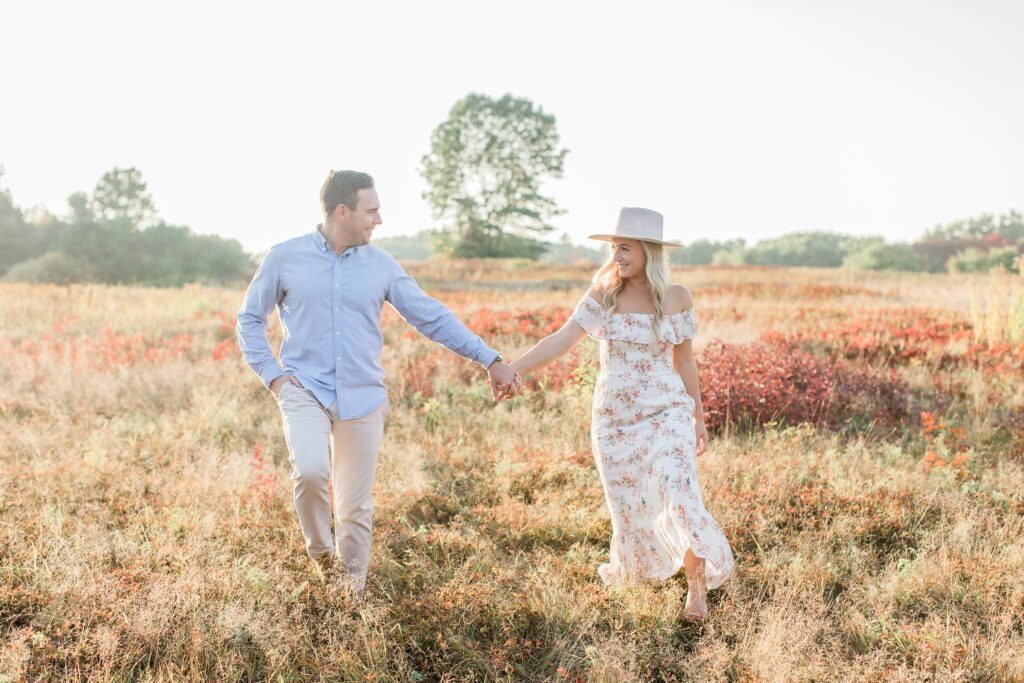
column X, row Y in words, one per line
column 275, row 386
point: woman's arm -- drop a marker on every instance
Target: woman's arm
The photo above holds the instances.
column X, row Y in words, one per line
column 677, row 300
column 684, row 363
column 550, row 348
column 686, row 366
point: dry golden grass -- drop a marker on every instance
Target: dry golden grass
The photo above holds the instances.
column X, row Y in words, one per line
column 148, row 532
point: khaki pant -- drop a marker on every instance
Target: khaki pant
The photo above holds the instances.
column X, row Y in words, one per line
column 309, row 430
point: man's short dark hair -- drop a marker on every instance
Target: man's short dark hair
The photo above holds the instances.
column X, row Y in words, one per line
column 342, row 187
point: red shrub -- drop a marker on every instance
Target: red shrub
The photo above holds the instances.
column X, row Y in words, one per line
column 532, row 323
column 416, row 376
column 224, row 349
column 103, row 352
column 774, row 380
column 555, row 376
column 898, row 337
column 892, row 336
column 262, row 491
column 783, row 291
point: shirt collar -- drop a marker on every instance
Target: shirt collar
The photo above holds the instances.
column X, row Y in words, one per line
column 321, row 242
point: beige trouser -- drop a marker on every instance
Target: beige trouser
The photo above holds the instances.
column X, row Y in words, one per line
column 309, row 429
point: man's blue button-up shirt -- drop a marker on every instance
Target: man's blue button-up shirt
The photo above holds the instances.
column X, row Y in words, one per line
column 329, row 305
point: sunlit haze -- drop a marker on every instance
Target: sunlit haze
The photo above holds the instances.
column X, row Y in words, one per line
column 734, row 119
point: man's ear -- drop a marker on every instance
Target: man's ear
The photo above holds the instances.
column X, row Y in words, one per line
column 341, row 211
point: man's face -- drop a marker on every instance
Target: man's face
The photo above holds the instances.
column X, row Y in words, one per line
column 358, row 223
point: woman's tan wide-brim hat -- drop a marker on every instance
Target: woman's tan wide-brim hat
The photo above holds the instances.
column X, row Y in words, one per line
column 638, row 224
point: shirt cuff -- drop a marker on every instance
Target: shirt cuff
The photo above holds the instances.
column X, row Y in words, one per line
column 271, row 373
column 486, row 356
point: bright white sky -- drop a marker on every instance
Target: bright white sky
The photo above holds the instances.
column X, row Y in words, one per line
column 734, row 119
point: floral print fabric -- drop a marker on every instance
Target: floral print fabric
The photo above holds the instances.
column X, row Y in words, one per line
column 645, row 446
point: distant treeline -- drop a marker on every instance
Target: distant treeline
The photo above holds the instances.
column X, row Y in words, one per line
column 112, row 236
column 971, row 245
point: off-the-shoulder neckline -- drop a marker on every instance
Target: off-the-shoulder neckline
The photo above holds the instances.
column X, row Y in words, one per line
column 601, row 306
column 677, row 313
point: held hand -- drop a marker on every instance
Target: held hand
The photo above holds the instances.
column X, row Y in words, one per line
column 511, row 390
column 517, row 385
column 702, row 438
column 504, row 381
column 275, row 386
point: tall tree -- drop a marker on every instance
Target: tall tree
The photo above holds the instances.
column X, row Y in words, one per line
column 1009, row 225
column 80, row 208
column 121, row 194
column 486, row 164
column 20, row 239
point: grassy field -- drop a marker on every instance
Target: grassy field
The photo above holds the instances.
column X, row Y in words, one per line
column 866, row 463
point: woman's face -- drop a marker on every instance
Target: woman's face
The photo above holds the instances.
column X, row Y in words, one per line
column 629, row 258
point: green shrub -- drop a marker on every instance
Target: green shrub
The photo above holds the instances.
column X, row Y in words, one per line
column 54, row 267
column 978, row 261
column 882, row 256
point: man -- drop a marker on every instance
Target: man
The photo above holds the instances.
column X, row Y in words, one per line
column 329, row 288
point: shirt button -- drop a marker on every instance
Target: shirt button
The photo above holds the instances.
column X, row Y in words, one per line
column 338, row 334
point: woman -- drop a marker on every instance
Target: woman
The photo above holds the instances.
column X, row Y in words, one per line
column 648, row 421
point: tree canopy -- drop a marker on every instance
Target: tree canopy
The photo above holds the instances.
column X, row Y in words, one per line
column 121, row 195
column 115, row 236
column 486, row 164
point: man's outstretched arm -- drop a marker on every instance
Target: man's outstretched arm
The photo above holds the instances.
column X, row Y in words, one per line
column 435, row 322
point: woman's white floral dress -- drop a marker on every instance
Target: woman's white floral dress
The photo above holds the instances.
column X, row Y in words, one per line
column 646, row 449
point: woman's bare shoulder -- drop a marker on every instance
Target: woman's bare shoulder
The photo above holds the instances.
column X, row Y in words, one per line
column 597, row 294
column 677, row 299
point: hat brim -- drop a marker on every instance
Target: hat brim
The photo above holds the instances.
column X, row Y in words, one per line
column 609, row 237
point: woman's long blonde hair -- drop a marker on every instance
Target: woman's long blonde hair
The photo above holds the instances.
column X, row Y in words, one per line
column 607, row 279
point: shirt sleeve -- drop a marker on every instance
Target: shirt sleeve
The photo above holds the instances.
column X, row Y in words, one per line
column 260, row 299
column 431, row 319
column 589, row 315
